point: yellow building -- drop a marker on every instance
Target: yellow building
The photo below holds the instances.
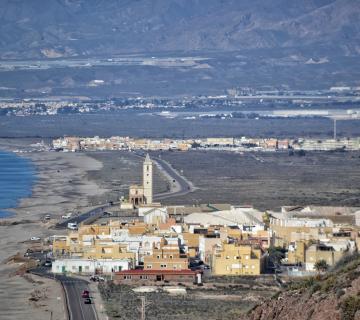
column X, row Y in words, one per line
column 318, row 252
column 296, row 253
column 191, row 240
column 284, row 235
column 166, row 257
column 237, row 259
column 90, row 242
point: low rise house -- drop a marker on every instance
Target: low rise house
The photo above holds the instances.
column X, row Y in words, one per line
column 247, row 219
column 329, row 252
column 166, row 257
column 143, row 276
column 90, row 266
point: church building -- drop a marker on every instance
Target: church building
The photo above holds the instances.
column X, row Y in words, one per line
column 143, row 195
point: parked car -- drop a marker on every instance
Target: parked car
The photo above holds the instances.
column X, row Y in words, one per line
column 85, row 294
column 28, row 252
column 66, row 216
column 35, row 238
column 47, row 217
column 87, row 301
column 48, row 263
column 97, row 278
column 72, row 226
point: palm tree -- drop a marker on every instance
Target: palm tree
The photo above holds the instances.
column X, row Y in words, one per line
column 321, row 265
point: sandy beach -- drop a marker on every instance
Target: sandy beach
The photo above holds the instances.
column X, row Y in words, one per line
column 62, row 186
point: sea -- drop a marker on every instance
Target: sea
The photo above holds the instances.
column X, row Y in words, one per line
column 17, row 177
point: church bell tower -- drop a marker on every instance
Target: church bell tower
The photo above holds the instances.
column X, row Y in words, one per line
column 148, row 180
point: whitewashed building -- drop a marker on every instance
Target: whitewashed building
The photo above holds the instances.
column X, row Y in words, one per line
column 90, row 266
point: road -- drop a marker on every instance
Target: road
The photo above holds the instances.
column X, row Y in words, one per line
column 73, row 288
column 184, row 186
column 80, row 218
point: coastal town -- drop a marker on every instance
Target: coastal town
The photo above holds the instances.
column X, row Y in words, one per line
column 140, row 244
column 139, row 236
column 172, row 159
column 73, row 144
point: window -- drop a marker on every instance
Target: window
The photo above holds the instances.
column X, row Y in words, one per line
column 170, row 257
column 163, row 266
column 247, row 257
column 73, row 267
column 149, row 266
column 143, row 277
column 158, row 257
column 227, row 257
column 236, row 257
column 87, row 268
column 174, row 267
column 127, row 277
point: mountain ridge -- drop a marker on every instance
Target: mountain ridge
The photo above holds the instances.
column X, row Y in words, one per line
column 65, row 28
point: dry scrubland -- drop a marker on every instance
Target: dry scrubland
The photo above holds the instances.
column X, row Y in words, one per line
column 220, row 298
column 334, row 295
column 269, row 180
column 265, row 180
column 120, row 170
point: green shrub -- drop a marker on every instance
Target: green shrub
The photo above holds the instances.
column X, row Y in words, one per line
column 328, row 284
column 349, row 307
column 314, row 288
column 339, row 293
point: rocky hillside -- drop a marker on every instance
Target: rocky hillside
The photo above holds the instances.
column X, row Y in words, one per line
column 334, row 296
column 65, row 28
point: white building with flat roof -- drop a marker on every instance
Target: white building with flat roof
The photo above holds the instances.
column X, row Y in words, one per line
column 247, row 218
column 90, row 266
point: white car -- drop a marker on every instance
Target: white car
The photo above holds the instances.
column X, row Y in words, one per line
column 66, row 216
column 72, row 226
column 35, row 238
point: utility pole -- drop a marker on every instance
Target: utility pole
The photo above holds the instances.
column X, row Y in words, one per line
column 142, row 308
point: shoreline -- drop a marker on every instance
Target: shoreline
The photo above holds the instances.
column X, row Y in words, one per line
column 62, row 185
column 8, row 211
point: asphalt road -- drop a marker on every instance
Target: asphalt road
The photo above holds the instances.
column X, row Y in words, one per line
column 185, row 186
column 73, row 288
column 78, row 310
column 80, row 218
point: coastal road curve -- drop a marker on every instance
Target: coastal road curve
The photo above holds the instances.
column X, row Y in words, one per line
column 182, row 185
column 81, row 217
column 73, row 288
column 77, row 308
